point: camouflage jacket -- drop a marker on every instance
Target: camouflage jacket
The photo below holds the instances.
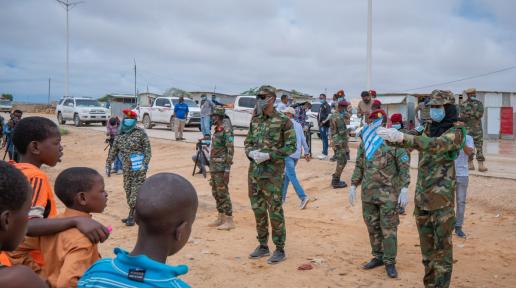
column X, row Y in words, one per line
column 471, row 111
column 384, row 175
column 435, row 188
column 134, row 148
column 275, row 135
column 222, row 149
column 339, row 130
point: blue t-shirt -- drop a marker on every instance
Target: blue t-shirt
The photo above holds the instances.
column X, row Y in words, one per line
column 132, row 271
column 181, row 109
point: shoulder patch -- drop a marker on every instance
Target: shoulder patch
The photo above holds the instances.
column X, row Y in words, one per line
column 405, row 158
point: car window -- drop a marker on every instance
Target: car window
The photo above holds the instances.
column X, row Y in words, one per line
column 67, row 102
column 247, row 102
column 87, row 103
column 189, row 102
column 161, row 102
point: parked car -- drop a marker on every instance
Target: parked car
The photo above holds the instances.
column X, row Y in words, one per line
column 241, row 112
column 5, row 106
column 81, row 110
column 162, row 112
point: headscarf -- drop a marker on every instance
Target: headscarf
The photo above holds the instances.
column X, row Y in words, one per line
column 451, row 116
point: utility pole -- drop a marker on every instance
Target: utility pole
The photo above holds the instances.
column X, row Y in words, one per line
column 48, row 90
column 135, row 92
column 369, row 44
column 214, row 88
column 68, row 6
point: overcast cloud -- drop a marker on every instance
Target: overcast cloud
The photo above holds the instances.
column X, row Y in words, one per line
column 305, row 45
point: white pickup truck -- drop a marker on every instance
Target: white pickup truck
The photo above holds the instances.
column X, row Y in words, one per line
column 162, row 112
column 242, row 111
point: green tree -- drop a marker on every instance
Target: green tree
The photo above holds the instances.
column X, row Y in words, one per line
column 7, row 96
column 176, row 92
column 251, row 92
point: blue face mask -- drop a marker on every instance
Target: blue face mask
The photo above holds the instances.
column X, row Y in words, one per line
column 396, row 126
column 343, row 112
column 437, row 114
column 322, row 101
column 128, row 125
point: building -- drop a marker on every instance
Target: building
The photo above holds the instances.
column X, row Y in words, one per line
column 403, row 103
column 119, row 102
column 146, row 98
column 221, row 97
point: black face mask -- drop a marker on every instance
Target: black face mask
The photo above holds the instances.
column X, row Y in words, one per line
column 451, row 116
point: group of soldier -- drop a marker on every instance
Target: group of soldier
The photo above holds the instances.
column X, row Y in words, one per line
column 384, row 178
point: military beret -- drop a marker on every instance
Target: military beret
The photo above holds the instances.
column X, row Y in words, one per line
column 128, row 113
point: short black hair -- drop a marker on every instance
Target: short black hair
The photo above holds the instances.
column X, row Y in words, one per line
column 364, row 93
column 18, row 111
column 14, row 187
column 32, row 129
column 284, row 96
column 72, row 181
column 322, row 94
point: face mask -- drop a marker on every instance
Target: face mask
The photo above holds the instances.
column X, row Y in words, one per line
column 437, row 114
column 343, row 112
column 396, row 126
column 204, row 98
column 260, row 105
column 128, row 125
column 322, row 101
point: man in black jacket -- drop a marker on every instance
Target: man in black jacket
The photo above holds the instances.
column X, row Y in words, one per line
column 324, row 124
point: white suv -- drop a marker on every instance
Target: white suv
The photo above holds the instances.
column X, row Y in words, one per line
column 81, row 110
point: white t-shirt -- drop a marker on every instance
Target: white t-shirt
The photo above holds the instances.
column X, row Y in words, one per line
column 461, row 163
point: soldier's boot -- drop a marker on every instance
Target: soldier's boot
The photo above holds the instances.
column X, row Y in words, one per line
column 471, row 166
column 227, row 223
column 217, row 222
column 277, row 257
column 459, row 232
column 124, row 220
column 130, row 219
column 259, row 252
column 481, row 167
column 336, row 183
column 391, row 270
column 333, row 158
column 375, row 262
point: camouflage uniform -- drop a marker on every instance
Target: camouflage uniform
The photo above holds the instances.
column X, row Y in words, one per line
column 134, row 148
column 434, row 201
column 471, row 111
column 275, row 135
column 339, row 134
column 221, row 159
column 382, row 178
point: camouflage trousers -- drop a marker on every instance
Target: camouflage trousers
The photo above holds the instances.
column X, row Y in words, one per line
column 265, row 196
column 132, row 182
column 220, row 191
column 340, row 153
column 382, row 222
column 478, row 139
column 435, row 236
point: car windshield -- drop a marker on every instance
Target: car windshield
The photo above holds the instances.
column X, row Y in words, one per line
column 188, row 102
column 5, row 102
column 87, row 103
column 316, row 107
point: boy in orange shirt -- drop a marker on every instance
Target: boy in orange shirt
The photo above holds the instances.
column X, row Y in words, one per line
column 38, row 140
column 70, row 253
column 15, row 196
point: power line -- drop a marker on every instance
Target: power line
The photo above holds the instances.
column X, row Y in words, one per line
column 461, row 79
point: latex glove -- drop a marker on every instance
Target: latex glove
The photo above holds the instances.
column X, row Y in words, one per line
column 261, row 157
column 352, row 194
column 252, row 154
column 390, row 134
column 403, row 198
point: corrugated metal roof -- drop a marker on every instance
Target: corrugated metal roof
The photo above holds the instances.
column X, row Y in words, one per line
column 392, row 99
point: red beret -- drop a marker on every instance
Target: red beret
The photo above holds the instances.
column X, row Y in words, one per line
column 377, row 113
column 340, row 93
column 372, row 93
column 130, row 113
column 377, row 102
column 396, row 118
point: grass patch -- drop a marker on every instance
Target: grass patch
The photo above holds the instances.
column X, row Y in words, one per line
column 64, row 131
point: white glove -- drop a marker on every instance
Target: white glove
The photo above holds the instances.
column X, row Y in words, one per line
column 352, row 194
column 390, row 134
column 403, row 198
column 252, row 154
column 261, row 157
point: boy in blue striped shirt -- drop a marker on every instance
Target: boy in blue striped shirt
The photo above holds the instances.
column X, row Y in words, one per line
column 165, row 211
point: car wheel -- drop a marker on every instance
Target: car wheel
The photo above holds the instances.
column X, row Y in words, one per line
column 60, row 118
column 103, row 123
column 147, row 122
column 319, row 135
column 199, row 127
column 172, row 124
column 77, row 120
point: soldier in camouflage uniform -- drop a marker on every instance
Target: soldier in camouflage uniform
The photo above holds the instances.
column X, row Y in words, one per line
column 438, row 144
column 134, row 147
column 471, row 112
column 339, row 134
column 221, row 159
column 384, row 179
column 271, row 138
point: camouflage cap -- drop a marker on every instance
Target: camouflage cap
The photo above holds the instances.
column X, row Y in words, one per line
column 220, row 111
column 470, row 91
column 441, row 97
column 267, row 89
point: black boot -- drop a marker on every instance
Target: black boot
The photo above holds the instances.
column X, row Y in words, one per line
column 277, row 256
column 459, row 232
column 375, row 262
column 333, row 158
column 391, row 270
column 130, row 219
column 336, row 183
column 259, row 252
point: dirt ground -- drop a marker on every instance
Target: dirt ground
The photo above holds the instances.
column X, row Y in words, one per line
column 329, row 232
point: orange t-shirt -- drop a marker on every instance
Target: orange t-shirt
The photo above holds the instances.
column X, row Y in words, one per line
column 4, row 260
column 43, row 200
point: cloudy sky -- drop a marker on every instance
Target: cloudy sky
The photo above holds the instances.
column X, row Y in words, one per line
column 234, row 45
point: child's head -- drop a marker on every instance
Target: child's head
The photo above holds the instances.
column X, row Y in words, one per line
column 166, row 207
column 15, row 201
column 38, row 138
column 82, row 189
